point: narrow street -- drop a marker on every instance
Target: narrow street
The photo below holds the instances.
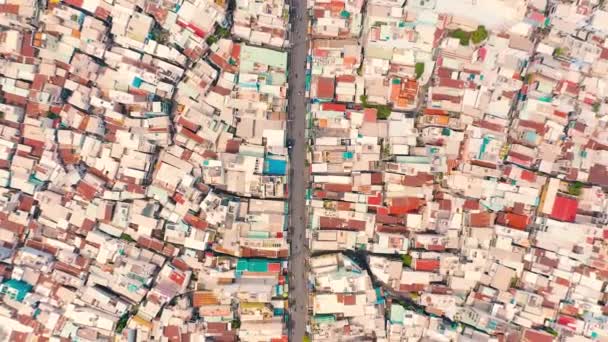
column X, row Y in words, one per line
column 298, row 293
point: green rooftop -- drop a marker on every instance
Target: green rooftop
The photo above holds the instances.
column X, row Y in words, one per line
column 325, row 318
column 397, row 313
column 252, row 265
column 16, row 289
column 251, row 55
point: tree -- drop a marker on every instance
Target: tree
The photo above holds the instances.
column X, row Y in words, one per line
column 596, row 107
column 52, row 115
column 160, row 35
column 127, row 237
column 575, row 188
column 122, row 323
column 407, row 260
column 384, row 111
column 211, row 40
column 419, row 68
column 462, row 35
column 386, row 150
column 222, row 32
column 360, row 70
column 558, row 52
column 551, row 331
column 479, row 35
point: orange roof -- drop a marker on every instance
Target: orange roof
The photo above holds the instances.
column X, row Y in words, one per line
column 325, row 88
column 395, row 89
column 337, row 6
column 201, row 298
column 434, row 111
column 9, row 8
column 349, row 60
column 442, row 120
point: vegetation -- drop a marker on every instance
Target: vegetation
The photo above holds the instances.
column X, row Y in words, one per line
column 220, row 32
column 419, row 68
column 386, row 150
column 127, row 237
column 596, row 107
column 306, row 338
column 407, row 260
column 551, row 331
column 384, row 111
column 236, row 324
column 558, row 52
column 122, row 322
column 211, row 40
column 513, row 282
column 462, row 35
column 160, row 35
column 479, row 35
column 52, row 115
column 575, row 188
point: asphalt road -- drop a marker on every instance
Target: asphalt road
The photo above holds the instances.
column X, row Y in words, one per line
column 298, row 293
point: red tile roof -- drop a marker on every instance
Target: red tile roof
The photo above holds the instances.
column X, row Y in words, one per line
column 428, row 265
column 325, row 88
column 450, row 83
column 484, row 219
column 564, row 209
column 404, row 205
column 513, row 220
column 337, row 107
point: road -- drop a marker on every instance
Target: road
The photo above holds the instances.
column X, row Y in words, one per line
column 298, row 293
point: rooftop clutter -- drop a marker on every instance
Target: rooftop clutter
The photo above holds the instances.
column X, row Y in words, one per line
column 143, row 172
column 459, row 165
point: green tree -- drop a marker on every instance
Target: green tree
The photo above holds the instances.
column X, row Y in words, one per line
column 211, row 40
column 407, row 260
column 384, row 111
column 551, row 331
column 127, row 237
column 575, row 188
column 462, row 35
column 479, row 35
column 419, row 68
column 52, row 115
column 222, row 32
column 122, row 322
column 160, row 35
